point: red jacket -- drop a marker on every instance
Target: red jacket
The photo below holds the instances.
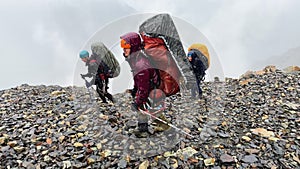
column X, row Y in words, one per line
column 145, row 76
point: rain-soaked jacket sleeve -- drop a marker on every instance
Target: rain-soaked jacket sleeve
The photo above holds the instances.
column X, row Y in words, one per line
column 92, row 71
column 92, row 68
column 142, row 81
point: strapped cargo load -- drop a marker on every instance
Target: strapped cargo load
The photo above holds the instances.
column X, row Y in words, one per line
column 162, row 44
column 106, row 56
column 202, row 52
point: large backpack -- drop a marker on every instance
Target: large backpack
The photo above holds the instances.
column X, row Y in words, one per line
column 165, row 67
column 103, row 54
column 202, row 52
column 162, row 44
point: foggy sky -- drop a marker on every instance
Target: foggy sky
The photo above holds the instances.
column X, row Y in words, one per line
column 40, row 40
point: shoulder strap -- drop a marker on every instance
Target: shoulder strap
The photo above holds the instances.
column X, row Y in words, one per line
column 149, row 58
column 93, row 61
column 158, row 81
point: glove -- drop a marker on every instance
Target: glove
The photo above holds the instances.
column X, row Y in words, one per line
column 109, row 74
column 133, row 93
column 102, row 76
column 82, row 76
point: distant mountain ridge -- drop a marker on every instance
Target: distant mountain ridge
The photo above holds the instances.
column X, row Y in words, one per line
column 281, row 61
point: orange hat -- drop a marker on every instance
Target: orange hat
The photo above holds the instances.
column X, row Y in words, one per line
column 124, row 44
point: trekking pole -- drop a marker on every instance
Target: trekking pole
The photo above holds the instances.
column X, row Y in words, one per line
column 104, row 87
column 88, row 88
column 166, row 123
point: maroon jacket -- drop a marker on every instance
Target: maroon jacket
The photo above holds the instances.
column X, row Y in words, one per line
column 145, row 76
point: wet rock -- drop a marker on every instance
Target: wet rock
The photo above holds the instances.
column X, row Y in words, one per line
column 77, row 144
column 56, row 93
column 12, row 143
column 5, row 148
column 278, row 150
column 78, row 165
column 106, row 153
column 53, row 154
column 169, row 154
column 223, row 135
column 28, row 165
column 47, row 158
column 80, row 157
column 263, row 132
column 209, row 161
column 91, row 161
column 249, row 159
column 252, row 151
column 186, row 153
column 2, row 140
column 122, row 163
column 46, row 128
column 270, row 69
column 217, row 167
column 225, row 158
column 144, row 165
column 246, row 138
column 19, row 149
column 291, row 69
column 173, row 163
column 61, row 138
column 66, row 164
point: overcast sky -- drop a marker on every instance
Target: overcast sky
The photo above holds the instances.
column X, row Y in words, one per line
column 40, row 40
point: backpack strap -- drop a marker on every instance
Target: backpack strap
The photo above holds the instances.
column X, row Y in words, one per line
column 93, row 61
column 152, row 83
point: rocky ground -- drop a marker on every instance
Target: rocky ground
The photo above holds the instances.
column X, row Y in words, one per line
column 250, row 122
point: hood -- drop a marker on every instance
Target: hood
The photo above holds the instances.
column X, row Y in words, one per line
column 134, row 40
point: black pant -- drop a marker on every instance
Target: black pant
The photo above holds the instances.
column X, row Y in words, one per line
column 102, row 86
column 196, row 87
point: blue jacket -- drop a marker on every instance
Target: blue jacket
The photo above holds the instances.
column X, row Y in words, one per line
column 197, row 65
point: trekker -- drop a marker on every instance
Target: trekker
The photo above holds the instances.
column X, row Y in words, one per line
column 199, row 60
column 144, row 75
column 99, row 72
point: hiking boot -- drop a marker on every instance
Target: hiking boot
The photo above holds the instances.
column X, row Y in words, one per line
column 143, row 127
column 142, row 130
column 110, row 97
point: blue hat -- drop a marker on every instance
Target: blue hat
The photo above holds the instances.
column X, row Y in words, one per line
column 191, row 54
column 84, row 54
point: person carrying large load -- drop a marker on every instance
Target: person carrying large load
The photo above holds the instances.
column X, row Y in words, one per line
column 163, row 46
column 102, row 65
column 199, row 59
column 102, row 53
column 144, row 75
